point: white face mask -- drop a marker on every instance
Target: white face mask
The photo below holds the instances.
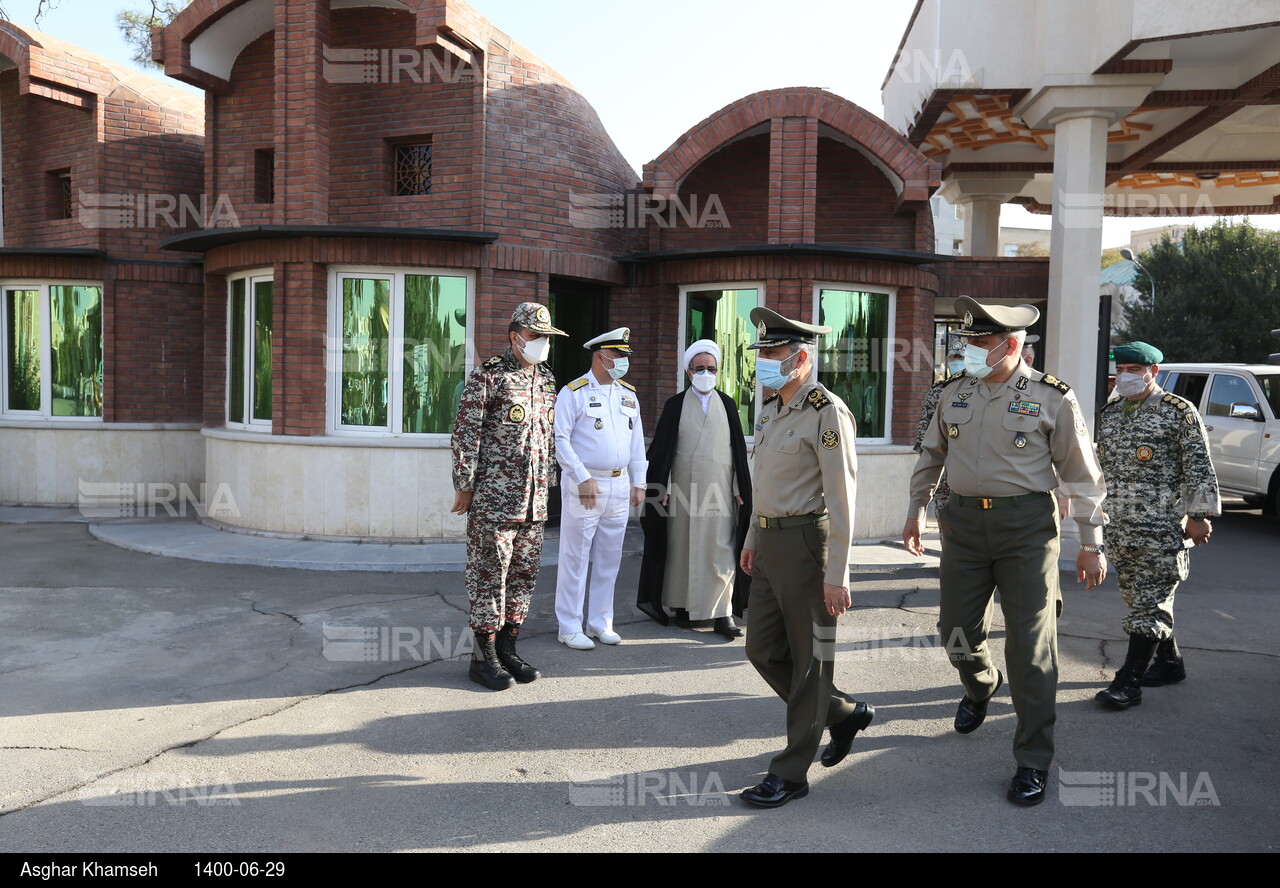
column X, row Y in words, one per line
column 704, row 380
column 1130, row 385
column 955, row 365
column 619, row 368
column 975, row 360
column 535, row 351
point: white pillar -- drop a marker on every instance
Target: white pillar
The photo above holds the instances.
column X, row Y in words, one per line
column 982, row 225
column 1075, row 250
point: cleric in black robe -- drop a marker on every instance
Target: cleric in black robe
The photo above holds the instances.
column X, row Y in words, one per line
column 654, row 520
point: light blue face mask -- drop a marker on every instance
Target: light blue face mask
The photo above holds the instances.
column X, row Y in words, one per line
column 975, row 360
column 619, row 368
column 769, row 372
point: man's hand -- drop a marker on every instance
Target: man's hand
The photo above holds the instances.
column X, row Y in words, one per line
column 747, row 561
column 462, row 502
column 911, row 537
column 1198, row 531
column 837, row 599
column 637, row 497
column 1064, row 505
column 1091, row 568
column 587, row 492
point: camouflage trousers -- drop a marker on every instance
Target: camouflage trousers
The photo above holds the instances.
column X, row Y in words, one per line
column 1148, row 578
column 502, row 568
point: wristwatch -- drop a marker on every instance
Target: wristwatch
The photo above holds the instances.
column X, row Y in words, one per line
column 1197, row 516
column 1099, row 549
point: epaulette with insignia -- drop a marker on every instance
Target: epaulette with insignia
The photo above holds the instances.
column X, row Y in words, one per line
column 1056, row 383
column 1177, row 401
column 817, row 400
column 494, row 361
column 577, row 384
column 770, row 399
column 627, row 385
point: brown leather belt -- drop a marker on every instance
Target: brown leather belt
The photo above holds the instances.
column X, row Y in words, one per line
column 996, row 502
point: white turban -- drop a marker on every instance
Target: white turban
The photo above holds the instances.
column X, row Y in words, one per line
column 701, row 347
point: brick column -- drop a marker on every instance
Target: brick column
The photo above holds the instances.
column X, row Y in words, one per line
column 301, row 321
column 302, row 112
column 793, row 179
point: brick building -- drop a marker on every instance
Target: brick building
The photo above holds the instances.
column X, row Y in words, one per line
column 387, row 180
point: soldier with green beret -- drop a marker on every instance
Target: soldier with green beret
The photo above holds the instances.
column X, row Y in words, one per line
column 1162, row 488
column 1007, row 435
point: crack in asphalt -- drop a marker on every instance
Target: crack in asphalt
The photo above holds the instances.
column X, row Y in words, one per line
column 51, row 748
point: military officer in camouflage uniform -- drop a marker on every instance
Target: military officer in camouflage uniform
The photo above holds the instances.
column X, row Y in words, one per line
column 503, row 464
column 955, row 367
column 1007, row 435
column 797, row 553
column 1161, row 489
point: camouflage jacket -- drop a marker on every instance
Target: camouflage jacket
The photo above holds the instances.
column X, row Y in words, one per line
column 930, row 405
column 1157, row 467
column 504, row 447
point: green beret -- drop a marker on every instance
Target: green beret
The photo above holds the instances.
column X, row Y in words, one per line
column 1137, row 353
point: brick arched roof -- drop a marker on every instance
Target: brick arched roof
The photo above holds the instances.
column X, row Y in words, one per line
column 918, row 174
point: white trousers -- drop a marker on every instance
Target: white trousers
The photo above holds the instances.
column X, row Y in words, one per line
column 590, row 537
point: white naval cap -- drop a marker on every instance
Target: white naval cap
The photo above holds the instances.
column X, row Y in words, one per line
column 618, row 340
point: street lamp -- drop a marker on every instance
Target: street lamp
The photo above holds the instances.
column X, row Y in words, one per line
column 1126, row 253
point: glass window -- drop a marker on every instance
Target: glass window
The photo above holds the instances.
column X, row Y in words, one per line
column 52, row 339
column 250, row 322
column 853, row 360
column 724, row 316
column 1270, row 384
column 1189, row 386
column 403, row 358
column 1228, row 390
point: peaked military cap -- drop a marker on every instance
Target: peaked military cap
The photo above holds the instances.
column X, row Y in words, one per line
column 984, row 320
column 618, row 340
column 535, row 317
column 772, row 329
column 1137, row 353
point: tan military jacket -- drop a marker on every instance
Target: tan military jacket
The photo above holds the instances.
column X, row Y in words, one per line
column 1024, row 435
column 504, row 447
column 803, row 462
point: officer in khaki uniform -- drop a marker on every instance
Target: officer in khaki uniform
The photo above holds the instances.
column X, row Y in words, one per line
column 797, row 553
column 1007, row 435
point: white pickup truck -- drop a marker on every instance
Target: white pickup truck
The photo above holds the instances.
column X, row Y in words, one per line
column 1240, row 404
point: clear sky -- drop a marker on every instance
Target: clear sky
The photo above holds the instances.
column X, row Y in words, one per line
column 653, row 69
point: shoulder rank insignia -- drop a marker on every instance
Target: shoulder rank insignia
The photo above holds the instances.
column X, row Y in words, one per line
column 494, row 361
column 770, row 399
column 577, row 384
column 1056, row 383
column 626, row 385
column 1179, row 402
column 817, row 399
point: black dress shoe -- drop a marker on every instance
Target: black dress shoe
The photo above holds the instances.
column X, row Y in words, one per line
column 970, row 714
column 843, row 732
column 1027, row 787
column 726, row 627
column 681, row 618
column 774, row 792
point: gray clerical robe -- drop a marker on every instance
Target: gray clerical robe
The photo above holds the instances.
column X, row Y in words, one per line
column 702, row 514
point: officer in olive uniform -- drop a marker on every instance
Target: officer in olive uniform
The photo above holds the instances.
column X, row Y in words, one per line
column 1161, row 488
column 1001, row 431
column 503, row 464
column 600, row 446
column 797, row 553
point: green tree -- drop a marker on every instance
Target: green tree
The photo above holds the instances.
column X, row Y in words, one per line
column 1110, row 256
column 1217, row 295
column 135, row 25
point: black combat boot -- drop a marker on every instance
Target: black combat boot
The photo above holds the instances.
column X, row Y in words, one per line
column 1167, row 668
column 486, row 669
column 519, row 669
column 1126, row 690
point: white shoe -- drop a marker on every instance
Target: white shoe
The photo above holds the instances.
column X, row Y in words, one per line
column 606, row 637
column 578, row 642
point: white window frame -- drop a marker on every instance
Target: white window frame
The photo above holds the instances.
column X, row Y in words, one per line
column 683, row 331
column 395, row 372
column 45, row 413
column 887, row 351
column 251, row 278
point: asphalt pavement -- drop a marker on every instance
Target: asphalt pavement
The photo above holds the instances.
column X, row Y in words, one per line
column 157, row 703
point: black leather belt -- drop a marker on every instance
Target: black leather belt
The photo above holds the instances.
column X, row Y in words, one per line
column 791, row 521
column 996, row 502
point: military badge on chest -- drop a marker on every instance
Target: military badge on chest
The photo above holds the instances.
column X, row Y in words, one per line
column 599, row 424
column 1025, row 408
column 1146, row 453
column 515, row 414
column 1020, row 440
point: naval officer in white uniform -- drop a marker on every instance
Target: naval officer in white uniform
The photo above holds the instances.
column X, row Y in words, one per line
column 600, row 448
